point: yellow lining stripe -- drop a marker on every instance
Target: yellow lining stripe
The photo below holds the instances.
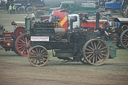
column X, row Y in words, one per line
column 63, row 21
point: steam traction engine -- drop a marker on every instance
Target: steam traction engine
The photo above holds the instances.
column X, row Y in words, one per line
column 6, row 40
column 73, row 44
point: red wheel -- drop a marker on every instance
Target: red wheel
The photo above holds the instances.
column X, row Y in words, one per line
column 18, row 31
column 22, row 45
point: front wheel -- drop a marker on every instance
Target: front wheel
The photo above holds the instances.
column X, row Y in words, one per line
column 38, row 56
column 95, row 52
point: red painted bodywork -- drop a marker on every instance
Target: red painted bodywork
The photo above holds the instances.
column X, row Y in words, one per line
column 7, row 38
column 90, row 24
column 62, row 15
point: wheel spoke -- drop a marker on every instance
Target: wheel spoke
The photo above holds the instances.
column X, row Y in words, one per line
column 26, row 39
column 88, row 56
column 33, row 58
column 93, row 61
column 20, row 44
column 39, row 61
column 92, row 45
column 96, row 59
column 125, row 39
column 126, row 35
column 22, row 40
column 103, row 54
column 99, row 47
column 36, row 61
column 24, row 51
column 44, row 56
column 37, row 50
column 91, row 57
column 89, row 52
column 20, row 47
column 103, row 48
column 98, row 44
column 88, row 49
column 102, row 51
column 100, row 57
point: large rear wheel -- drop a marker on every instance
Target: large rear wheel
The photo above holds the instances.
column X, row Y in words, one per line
column 38, row 56
column 124, row 39
column 22, row 45
column 95, row 52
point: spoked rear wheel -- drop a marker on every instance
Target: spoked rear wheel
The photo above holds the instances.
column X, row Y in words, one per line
column 38, row 56
column 124, row 39
column 95, row 52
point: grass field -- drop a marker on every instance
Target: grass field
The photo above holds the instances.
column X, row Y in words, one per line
column 16, row 70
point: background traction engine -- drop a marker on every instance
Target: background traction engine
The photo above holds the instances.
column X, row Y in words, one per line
column 6, row 39
column 73, row 45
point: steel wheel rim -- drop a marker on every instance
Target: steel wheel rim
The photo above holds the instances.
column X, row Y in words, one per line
column 38, row 56
column 18, row 31
column 23, row 45
column 124, row 39
column 96, row 52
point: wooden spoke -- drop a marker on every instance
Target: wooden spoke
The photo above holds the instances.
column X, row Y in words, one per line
column 96, row 59
column 91, row 57
column 93, row 60
column 125, row 35
column 89, row 52
column 88, row 55
column 95, row 45
column 103, row 48
column 99, row 47
column 100, row 56
column 98, row 44
column 103, row 54
column 102, row 51
column 92, row 45
column 89, row 49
